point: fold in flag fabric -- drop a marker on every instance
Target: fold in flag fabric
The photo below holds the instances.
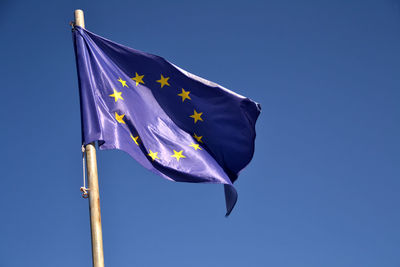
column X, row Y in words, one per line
column 176, row 124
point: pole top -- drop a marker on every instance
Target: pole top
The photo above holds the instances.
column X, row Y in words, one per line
column 79, row 18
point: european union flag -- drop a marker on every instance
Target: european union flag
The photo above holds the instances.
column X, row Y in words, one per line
column 174, row 123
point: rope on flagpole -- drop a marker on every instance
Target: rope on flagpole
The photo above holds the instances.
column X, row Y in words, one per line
column 84, row 189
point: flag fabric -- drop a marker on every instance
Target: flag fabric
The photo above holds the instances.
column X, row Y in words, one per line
column 174, row 123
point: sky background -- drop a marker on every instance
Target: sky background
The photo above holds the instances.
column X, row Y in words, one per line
column 322, row 188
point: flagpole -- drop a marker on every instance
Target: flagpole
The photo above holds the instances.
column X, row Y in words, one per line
column 93, row 182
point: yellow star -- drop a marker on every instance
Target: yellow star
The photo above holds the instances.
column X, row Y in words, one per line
column 196, row 116
column 117, row 95
column 122, row 82
column 196, row 146
column 138, row 78
column 184, row 95
column 178, row 155
column 198, row 138
column 153, row 155
column 135, row 139
column 119, row 118
column 163, row 81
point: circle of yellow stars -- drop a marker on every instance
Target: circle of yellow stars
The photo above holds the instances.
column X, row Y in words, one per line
column 185, row 95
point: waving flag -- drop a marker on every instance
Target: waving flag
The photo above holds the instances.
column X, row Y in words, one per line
column 178, row 125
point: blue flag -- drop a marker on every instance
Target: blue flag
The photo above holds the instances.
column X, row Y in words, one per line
column 174, row 123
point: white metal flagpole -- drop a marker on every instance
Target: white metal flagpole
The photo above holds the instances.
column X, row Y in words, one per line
column 93, row 182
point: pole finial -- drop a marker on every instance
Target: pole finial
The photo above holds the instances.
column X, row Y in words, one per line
column 79, row 18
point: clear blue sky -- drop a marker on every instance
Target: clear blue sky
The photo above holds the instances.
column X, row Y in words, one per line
column 322, row 189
